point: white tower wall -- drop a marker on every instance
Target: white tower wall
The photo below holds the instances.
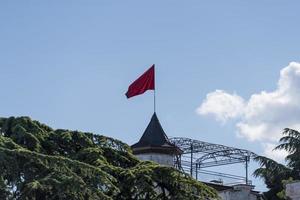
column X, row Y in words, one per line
column 163, row 159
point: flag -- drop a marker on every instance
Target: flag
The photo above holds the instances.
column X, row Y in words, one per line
column 142, row 84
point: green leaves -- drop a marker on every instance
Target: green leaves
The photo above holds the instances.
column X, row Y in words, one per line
column 275, row 174
column 37, row 162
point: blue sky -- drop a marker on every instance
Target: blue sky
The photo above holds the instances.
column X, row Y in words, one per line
column 69, row 63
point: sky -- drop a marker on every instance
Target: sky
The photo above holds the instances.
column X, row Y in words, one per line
column 227, row 72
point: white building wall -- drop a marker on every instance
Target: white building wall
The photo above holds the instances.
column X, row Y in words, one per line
column 293, row 190
column 163, row 159
column 239, row 192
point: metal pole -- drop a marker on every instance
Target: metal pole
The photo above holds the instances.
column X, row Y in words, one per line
column 197, row 171
column 154, row 96
column 154, row 101
column 191, row 160
column 247, row 170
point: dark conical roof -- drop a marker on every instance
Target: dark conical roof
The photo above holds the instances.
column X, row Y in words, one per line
column 154, row 137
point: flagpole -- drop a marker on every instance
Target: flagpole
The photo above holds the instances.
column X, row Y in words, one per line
column 154, row 96
column 154, row 101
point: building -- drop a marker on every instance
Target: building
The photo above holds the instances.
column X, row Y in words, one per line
column 293, row 190
column 154, row 145
column 236, row 192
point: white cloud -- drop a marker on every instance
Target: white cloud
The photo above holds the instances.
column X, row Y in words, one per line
column 264, row 116
column 278, row 155
column 222, row 105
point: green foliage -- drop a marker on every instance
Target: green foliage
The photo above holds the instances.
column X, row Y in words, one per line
column 282, row 194
column 277, row 175
column 37, row 162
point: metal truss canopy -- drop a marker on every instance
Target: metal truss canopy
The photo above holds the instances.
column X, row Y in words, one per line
column 203, row 154
column 207, row 154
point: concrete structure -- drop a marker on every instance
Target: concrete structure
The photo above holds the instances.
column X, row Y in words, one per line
column 236, row 192
column 293, row 190
column 164, row 159
column 242, row 192
column 154, row 145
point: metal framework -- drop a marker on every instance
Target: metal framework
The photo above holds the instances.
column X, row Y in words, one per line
column 198, row 155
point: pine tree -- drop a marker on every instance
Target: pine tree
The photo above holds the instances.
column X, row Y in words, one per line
column 275, row 174
column 40, row 163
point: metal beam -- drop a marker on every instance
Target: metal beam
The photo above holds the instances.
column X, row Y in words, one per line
column 201, row 154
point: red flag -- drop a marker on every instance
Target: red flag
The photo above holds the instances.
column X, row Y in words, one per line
column 142, row 84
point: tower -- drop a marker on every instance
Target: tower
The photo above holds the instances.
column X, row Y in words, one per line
column 154, row 145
